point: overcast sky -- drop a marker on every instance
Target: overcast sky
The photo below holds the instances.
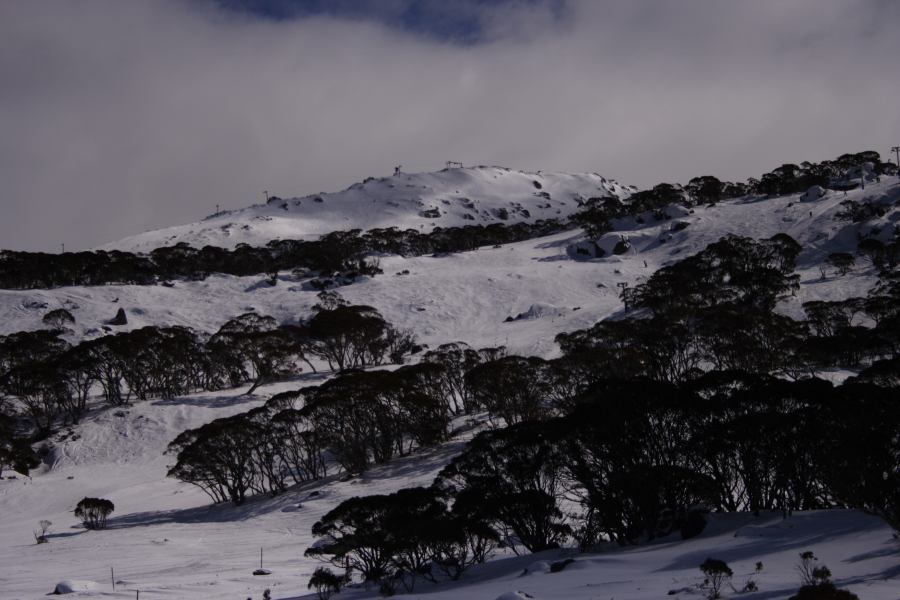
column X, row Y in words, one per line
column 118, row 116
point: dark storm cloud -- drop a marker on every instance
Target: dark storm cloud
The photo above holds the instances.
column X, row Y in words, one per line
column 121, row 116
column 459, row 21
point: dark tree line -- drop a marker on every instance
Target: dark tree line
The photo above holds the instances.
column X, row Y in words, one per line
column 338, row 255
column 639, row 460
column 708, row 315
column 701, row 398
column 362, row 418
column 51, row 380
column 714, row 310
column 396, row 539
column 598, row 214
column 351, row 422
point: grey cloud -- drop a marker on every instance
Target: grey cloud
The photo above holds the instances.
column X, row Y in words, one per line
column 118, row 117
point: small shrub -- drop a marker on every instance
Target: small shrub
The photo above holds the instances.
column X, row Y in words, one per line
column 326, row 583
column 823, row 591
column 40, row 535
column 811, row 573
column 821, row 575
column 329, row 300
column 751, row 585
column 717, row 573
column 93, row 512
column 58, row 319
column 841, row 261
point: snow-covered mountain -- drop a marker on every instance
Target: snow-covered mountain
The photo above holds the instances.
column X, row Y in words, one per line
column 168, row 542
column 422, row 201
column 467, row 296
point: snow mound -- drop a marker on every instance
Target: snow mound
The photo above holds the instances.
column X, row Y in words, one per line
column 520, row 595
column 538, row 311
column 538, row 567
column 72, row 586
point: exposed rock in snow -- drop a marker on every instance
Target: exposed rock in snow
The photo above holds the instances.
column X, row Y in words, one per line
column 72, row 586
column 120, row 319
column 537, row 311
column 813, row 193
column 540, row 566
column 519, row 595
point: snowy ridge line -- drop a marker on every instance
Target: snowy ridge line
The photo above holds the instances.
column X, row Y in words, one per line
column 419, row 201
column 341, row 255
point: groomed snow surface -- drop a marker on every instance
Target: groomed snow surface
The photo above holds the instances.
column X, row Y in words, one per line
column 167, row 541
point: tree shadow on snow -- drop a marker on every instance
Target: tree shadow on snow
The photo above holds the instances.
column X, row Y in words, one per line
column 889, row 573
column 209, row 401
column 235, row 397
column 59, row 536
column 560, row 243
column 799, row 532
column 224, row 512
column 881, row 553
column 554, row 258
column 422, row 464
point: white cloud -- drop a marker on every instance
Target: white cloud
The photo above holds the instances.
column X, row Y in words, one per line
column 123, row 116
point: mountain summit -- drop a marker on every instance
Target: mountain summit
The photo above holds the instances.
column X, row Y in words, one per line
column 422, row 201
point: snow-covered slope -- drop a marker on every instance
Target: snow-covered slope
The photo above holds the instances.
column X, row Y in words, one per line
column 468, row 296
column 422, row 201
column 166, row 540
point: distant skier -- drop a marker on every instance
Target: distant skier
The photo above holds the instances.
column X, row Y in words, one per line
column 397, row 169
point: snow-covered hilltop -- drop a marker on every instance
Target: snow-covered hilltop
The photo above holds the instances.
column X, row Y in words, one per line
column 422, row 201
